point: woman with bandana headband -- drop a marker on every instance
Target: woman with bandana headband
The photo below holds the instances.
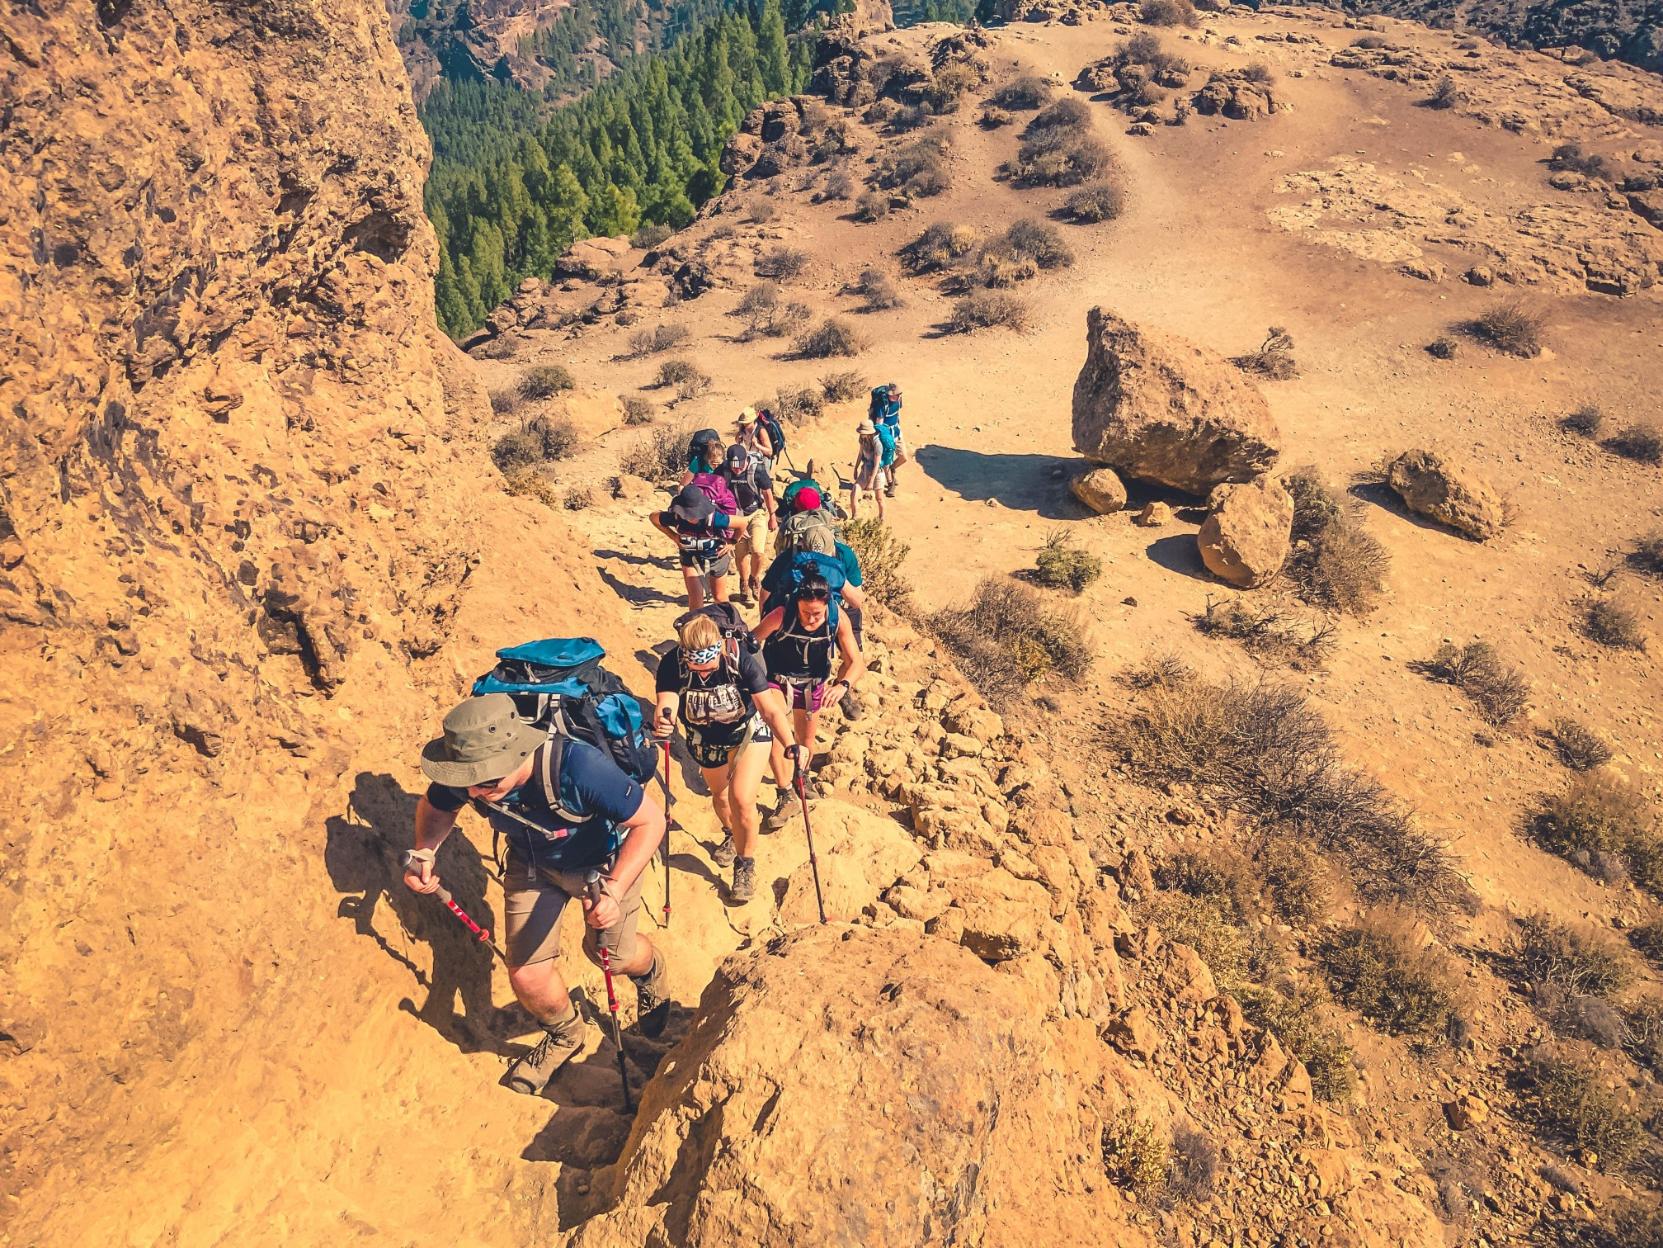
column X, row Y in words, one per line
column 730, row 715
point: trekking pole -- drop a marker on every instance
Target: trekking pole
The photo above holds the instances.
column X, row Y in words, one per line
column 798, row 784
column 669, row 805
column 443, row 894
column 594, row 887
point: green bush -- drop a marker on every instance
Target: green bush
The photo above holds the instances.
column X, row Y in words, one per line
column 545, row 382
column 1299, row 1021
column 1573, row 1104
column 881, row 554
column 1005, row 637
column 1062, row 565
column 1381, row 970
column 537, row 441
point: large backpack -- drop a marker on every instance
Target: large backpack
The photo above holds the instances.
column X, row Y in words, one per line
column 715, row 487
column 886, row 438
column 559, row 684
column 808, row 531
column 703, row 447
column 810, row 565
column 736, row 641
column 776, row 433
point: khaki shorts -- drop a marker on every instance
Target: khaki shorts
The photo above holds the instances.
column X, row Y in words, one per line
column 533, row 902
column 753, row 535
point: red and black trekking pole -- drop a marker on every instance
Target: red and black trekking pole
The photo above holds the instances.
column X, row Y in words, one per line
column 798, row 783
column 611, row 996
column 443, row 894
column 669, row 805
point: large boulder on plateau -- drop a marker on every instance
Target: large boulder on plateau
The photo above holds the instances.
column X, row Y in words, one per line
column 1245, row 540
column 847, row 1085
column 1159, row 408
column 1448, row 493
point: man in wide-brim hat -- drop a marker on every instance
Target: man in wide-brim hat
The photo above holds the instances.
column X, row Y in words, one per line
column 567, row 812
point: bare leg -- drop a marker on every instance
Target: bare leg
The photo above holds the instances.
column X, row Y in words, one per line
column 695, row 588
column 744, row 778
column 640, row 964
column 540, row 989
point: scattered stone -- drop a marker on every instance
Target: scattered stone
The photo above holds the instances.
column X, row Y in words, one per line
column 1466, row 1111
column 1245, row 540
column 1100, row 489
column 1153, row 515
column 1134, row 1033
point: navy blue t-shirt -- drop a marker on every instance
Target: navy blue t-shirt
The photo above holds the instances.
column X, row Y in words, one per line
column 591, row 786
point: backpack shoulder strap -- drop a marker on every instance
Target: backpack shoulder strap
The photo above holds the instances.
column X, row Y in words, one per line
column 554, row 759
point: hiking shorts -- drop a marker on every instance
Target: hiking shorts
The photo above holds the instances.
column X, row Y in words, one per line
column 757, row 735
column 532, row 905
column 719, row 564
column 803, row 695
column 753, row 535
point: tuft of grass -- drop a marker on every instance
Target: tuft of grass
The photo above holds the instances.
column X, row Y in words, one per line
column 1510, row 328
column 839, row 185
column 1612, row 624
column 1274, row 357
column 1062, row 565
column 832, row 337
column 659, row 454
column 1584, row 422
column 1334, row 563
column 781, row 263
column 1384, row 972
column 989, row 309
column 1101, row 201
column 1573, row 1104
column 1579, row 747
column 843, row 386
column 1162, row 671
column 545, row 382
column 1642, row 442
column 795, row 406
column 537, row 441
column 1135, row 1155
column 1499, row 691
column 881, row 554
column 1006, row 637
column 1299, row 1020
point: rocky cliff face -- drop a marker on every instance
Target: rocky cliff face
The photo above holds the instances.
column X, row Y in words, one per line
column 223, row 393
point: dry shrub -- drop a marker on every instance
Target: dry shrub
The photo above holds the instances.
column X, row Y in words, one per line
column 872, row 206
column 1007, row 636
column 1202, row 924
column 1641, row 442
column 658, row 454
column 918, row 169
column 1058, row 149
column 948, row 86
column 1510, row 328
column 795, row 406
column 832, row 337
column 1299, row 1020
column 1263, row 750
column 1039, row 242
column 1370, row 41
column 1296, row 879
column 1647, row 938
column 1259, row 72
column 781, row 263
column 527, row 483
column 650, row 236
column 841, row 387
column 504, row 402
column 989, row 309
column 1579, row 747
column 909, row 117
column 674, row 372
column 881, row 555
column 1599, row 819
column 1101, row 201
column 577, row 499
column 1192, row 1168
column 1062, row 565
column 692, row 385
column 1574, row 158
column 1447, row 94
column 877, row 287
column 545, row 382
column 938, row 247
column 839, row 185
column 646, row 342
column 1161, row 671
column 1334, row 563
column 639, row 411
column 1647, row 555
column 1065, row 116
column 1023, row 94
column 763, row 211
column 1387, row 972
column 1612, row 624
column 1585, row 421
column 1572, row 1103
column 1168, row 13
column 1267, row 633
column 994, row 118
column 1550, row 955
column 1134, row 1154
column 1442, row 347
column 537, row 441
column 998, row 266
column 1628, row 1224
column 1499, row 691
column 1274, row 357
column 767, row 314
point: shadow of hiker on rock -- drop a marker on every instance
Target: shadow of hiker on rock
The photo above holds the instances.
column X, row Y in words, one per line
column 364, row 855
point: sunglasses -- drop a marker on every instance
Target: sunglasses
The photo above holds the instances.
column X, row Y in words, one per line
column 815, row 595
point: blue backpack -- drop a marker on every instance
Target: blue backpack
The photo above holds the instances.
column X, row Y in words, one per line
column 808, row 565
column 559, row 684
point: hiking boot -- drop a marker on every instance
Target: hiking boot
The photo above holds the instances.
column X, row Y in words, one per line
column 531, row 1072
column 784, row 808
column 652, row 998
column 744, row 880
column 754, row 588
column 850, row 705
column 723, row 854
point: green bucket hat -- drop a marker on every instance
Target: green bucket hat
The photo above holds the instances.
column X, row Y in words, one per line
column 484, row 740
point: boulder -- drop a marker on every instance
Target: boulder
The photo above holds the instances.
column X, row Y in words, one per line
column 1453, row 496
column 1100, row 489
column 860, row 855
column 1133, row 1033
column 594, row 260
column 1159, row 408
column 1246, row 538
column 1231, row 93
column 1153, row 515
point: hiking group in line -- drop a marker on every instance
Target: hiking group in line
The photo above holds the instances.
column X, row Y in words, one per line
column 555, row 755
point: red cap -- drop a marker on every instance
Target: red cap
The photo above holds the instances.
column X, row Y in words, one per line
column 807, row 500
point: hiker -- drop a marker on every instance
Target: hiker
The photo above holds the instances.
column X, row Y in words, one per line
column 798, row 638
column 885, row 415
column 753, row 490
column 869, row 473
column 808, row 523
column 730, row 717
column 704, row 455
column 566, row 810
column 702, row 535
column 852, row 597
column 752, row 434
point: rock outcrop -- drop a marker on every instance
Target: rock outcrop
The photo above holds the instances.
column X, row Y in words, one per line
column 1452, row 495
column 1245, row 539
column 1161, row 409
